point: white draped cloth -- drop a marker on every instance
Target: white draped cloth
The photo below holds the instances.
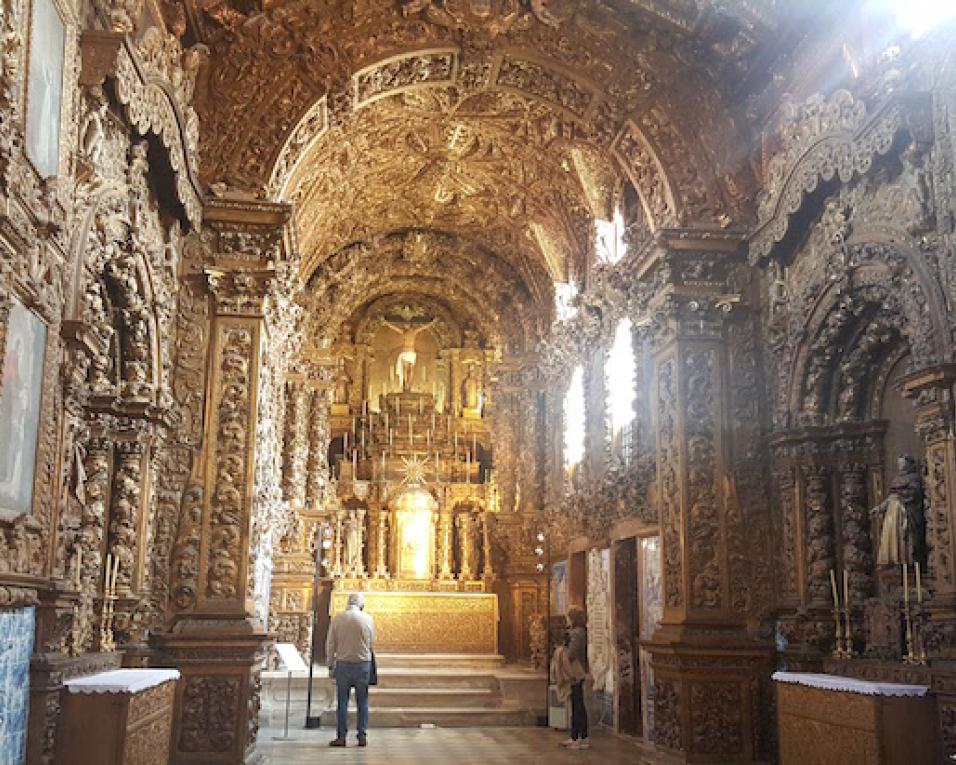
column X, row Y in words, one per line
column 121, row 681
column 850, row 684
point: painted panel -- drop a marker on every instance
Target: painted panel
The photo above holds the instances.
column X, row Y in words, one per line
column 45, row 87
column 20, row 395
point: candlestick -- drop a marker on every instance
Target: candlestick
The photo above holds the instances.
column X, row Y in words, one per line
column 115, row 572
column 421, row 407
column 354, row 464
column 906, row 586
column 846, row 589
column 836, row 598
column 474, row 445
column 390, row 436
column 383, row 466
column 919, row 585
column 345, row 442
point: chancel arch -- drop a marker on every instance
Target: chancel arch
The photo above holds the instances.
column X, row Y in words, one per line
column 323, row 285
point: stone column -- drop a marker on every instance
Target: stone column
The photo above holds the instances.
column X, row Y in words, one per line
column 219, row 643
column 707, row 669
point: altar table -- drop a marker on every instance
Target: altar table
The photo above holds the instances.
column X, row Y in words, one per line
column 121, row 717
column 833, row 720
column 430, row 622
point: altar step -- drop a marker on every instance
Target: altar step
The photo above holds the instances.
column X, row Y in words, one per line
column 419, row 689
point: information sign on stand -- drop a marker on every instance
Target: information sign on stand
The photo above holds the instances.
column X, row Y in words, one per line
column 291, row 662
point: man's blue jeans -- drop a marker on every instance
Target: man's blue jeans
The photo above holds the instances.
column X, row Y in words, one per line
column 348, row 675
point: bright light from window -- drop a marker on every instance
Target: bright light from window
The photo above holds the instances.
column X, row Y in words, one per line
column 609, row 243
column 564, row 294
column 619, row 374
column 920, row 16
column 574, row 419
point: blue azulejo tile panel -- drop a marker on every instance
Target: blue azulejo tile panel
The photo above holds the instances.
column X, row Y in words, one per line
column 16, row 647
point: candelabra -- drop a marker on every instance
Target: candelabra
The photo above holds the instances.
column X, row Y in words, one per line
column 107, row 644
column 542, row 552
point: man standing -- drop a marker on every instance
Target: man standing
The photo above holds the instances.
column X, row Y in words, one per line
column 348, row 649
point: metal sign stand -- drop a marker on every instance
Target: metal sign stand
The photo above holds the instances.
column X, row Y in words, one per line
column 292, row 662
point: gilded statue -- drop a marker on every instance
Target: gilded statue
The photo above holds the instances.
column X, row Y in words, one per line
column 405, row 363
column 340, row 393
column 471, row 389
column 902, row 524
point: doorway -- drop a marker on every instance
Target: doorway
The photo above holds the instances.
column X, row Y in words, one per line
column 628, row 712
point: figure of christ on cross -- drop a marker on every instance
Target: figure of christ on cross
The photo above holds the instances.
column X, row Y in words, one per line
column 405, row 363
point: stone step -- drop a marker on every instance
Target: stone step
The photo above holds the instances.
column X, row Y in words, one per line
column 451, row 717
column 470, row 661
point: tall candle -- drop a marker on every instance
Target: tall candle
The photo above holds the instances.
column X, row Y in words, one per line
column 919, row 585
column 345, row 445
column 390, row 435
column 836, row 598
column 433, row 419
column 79, row 566
column 410, row 438
column 456, row 443
column 437, row 463
column 474, row 445
column 421, row 406
column 906, row 586
column 354, row 464
column 846, row 589
column 106, row 578
column 115, row 574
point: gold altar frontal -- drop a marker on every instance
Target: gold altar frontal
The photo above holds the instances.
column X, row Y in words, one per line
column 428, row 621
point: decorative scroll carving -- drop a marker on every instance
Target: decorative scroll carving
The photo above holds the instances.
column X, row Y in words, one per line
column 210, row 713
column 704, row 515
column 233, row 429
column 668, row 492
column 819, row 534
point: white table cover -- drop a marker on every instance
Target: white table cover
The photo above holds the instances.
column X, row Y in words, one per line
column 121, row 680
column 850, row 684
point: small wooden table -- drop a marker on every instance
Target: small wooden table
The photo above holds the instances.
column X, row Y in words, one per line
column 121, row 717
column 833, row 720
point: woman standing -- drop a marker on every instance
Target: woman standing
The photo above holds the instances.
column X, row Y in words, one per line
column 578, row 656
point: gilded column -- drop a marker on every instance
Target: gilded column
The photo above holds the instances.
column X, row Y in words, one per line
column 704, row 695
column 318, row 468
column 445, row 552
column 380, row 519
column 297, row 444
column 466, row 539
column 218, row 642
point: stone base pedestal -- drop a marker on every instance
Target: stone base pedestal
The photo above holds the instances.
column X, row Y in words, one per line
column 216, row 719
column 713, row 700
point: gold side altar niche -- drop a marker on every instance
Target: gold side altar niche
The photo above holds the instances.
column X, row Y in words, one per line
column 412, row 524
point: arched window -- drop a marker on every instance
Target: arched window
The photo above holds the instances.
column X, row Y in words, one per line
column 619, row 374
column 609, row 244
column 574, row 419
column 564, row 294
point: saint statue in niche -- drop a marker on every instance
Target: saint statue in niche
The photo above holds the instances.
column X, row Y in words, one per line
column 340, row 394
column 902, row 525
column 405, row 363
column 471, row 389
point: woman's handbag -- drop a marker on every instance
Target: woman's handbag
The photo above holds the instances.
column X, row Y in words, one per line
column 373, row 671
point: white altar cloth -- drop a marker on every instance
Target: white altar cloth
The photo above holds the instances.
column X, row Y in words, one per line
column 121, row 681
column 850, row 684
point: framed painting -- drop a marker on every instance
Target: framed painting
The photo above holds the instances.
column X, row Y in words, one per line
column 45, row 87
column 20, row 399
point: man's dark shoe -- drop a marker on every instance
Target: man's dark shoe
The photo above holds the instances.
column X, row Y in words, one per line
column 337, row 742
column 363, row 741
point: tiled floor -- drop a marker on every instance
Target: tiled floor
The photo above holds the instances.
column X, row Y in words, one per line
column 451, row 746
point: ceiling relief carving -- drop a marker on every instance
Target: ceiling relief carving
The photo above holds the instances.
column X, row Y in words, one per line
column 473, row 115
